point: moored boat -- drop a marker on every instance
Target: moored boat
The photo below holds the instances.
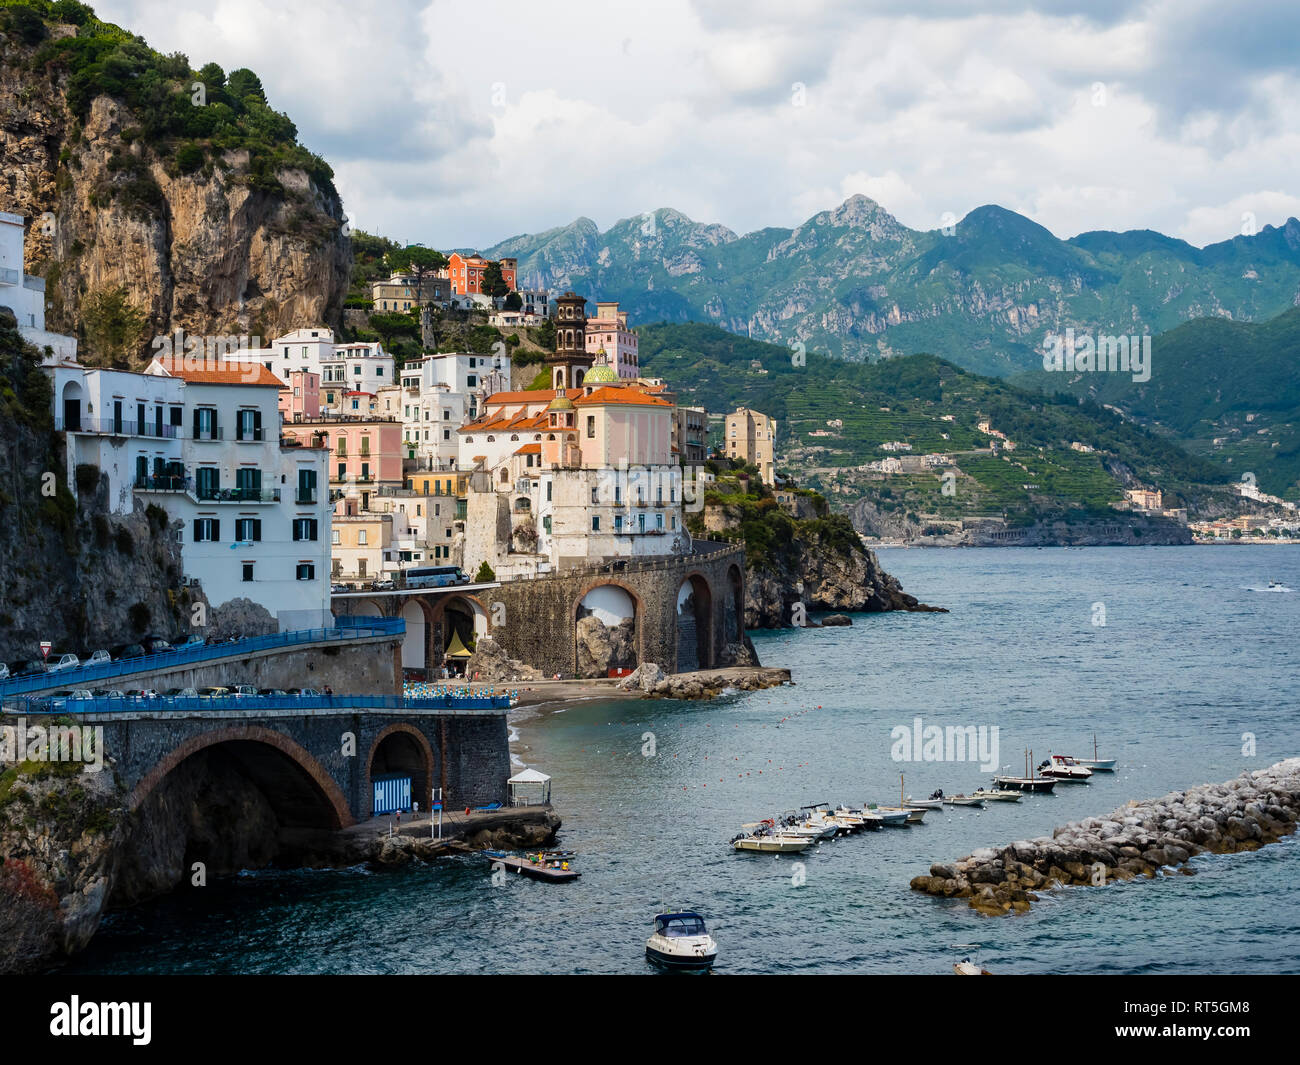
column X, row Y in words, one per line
column 1096, row 764
column 1063, row 767
column 681, row 941
column 1029, row 782
column 766, row 838
column 997, row 794
column 965, row 800
column 549, row 870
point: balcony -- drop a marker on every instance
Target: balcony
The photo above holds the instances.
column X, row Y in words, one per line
column 164, row 483
column 118, row 427
column 212, row 434
column 249, row 436
column 308, row 499
column 237, row 495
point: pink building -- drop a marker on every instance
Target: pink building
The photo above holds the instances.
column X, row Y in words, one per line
column 364, row 453
column 301, row 399
column 609, row 331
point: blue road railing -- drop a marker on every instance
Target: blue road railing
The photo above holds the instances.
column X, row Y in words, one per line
column 350, row 628
column 47, row 704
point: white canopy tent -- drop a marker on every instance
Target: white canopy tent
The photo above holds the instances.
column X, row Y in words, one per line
column 529, row 788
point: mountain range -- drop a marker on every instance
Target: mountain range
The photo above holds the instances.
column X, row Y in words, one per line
column 856, row 283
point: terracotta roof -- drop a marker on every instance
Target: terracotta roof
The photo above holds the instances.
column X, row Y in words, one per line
column 540, row 395
column 612, row 394
column 529, row 449
column 220, row 373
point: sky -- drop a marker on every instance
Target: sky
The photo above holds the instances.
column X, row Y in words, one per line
column 456, row 124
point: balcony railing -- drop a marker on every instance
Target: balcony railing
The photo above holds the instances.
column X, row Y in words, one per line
column 305, row 499
column 219, row 433
column 118, row 427
column 249, row 436
column 206, row 494
column 164, row 483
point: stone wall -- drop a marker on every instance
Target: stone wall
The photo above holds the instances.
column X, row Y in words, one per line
column 467, row 754
column 541, row 614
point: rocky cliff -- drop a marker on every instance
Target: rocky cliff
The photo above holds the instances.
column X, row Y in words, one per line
column 226, row 234
column 69, row 572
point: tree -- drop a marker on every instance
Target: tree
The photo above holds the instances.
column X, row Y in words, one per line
column 514, row 301
column 494, row 282
column 485, row 573
column 392, row 325
column 113, row 326
column 243, row 83
column 418, row 260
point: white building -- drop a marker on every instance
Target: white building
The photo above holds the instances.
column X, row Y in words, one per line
column 252, row 517
column 439, row 394
column 24, row 294
column 350, row 374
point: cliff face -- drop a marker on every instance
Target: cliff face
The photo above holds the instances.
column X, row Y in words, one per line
column 70, row 573
column 822, row 576
column 211, row 251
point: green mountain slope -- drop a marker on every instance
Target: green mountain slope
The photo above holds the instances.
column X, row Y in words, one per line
column 856, row 283
column 1227, row 391
column 835, row 416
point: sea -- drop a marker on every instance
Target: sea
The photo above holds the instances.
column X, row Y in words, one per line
column 1178, row 661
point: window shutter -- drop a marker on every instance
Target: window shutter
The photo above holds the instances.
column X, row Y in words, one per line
column 257, row 425
column 257, row 528
column 196, row 423
column 314, row 527
column 216, row 528
column 197, row 527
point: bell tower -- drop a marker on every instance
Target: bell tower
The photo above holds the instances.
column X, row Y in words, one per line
column 569, row 362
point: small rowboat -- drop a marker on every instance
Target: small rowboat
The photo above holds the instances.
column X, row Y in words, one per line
column 555, row 871
column 891, row 817
column 965, row 800
column 934, row 802
column 997, row 795
column 1097, row 765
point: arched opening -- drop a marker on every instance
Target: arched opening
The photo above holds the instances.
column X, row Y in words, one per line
column 606, row 631
column 235, row 798
column 694, row 611
column 461, row 620
column 734, row 607
column 72, row 399
column 413, row 646
column 400, row 754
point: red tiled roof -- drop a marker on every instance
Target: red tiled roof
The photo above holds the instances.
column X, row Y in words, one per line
column 529, row 449
column 220, row 373
column 614, row 394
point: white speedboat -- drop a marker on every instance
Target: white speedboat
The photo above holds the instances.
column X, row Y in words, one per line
column 766, row 838
column 891, row 818
column 996, row 794
column 816, row 828
column 934, row 802
column 965, row 800
column 681, row 941
column 966, row 967
column 1063, row 767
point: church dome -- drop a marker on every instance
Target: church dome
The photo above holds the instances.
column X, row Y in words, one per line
column 600, row 374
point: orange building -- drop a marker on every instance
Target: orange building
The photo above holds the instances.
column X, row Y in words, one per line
column 466, row 273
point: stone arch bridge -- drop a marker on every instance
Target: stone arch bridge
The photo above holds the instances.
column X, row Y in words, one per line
column 683, row 612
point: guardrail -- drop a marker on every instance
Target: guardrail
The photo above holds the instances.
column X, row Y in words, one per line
column 29, row 704
column 37, row 704
column 351, row 628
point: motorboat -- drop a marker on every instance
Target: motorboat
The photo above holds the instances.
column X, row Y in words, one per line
column 1063, row 767
column 807, row 824
column 965, row 800
column 766, row 838
column 997, row 794
column 934, row 802
column 966, row 967
column 1029, row 782
column 1097, row 765
column 681, row 941
column 892, row 817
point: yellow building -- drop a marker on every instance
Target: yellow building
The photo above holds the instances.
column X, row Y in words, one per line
column 750, row 436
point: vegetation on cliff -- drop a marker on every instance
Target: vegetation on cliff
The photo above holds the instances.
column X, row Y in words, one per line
column 835, row 416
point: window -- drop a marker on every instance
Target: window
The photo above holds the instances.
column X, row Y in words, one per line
column 248, row 530
column 305, row 528
column 595, row 523
column 334, row 536
column 207, row 530
column 361, row 537
column 305, row 571
column 248, row 571
column 591, row 426
column 248, row 425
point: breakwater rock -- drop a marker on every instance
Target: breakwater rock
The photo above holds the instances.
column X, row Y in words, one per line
column 1138, row 839
column 654, row 683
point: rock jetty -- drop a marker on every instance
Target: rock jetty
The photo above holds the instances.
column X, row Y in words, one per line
column 650, row 679
column 1138, row 839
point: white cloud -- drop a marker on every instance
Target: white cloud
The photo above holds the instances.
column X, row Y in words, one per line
column 461, row 124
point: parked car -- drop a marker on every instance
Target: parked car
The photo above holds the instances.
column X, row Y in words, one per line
column 81, row 693
column 244, row 691
column 184, row 640
column 155, row 644
column 4, row 671
column 27, row 667
column 127, row 650
column 216, row 692
column 272, row 691
column 310, row 693
column 384, row 585
column 337, row 588
column 98, row 658
column 109, row 693
column 141, row 693
column 57, row 662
